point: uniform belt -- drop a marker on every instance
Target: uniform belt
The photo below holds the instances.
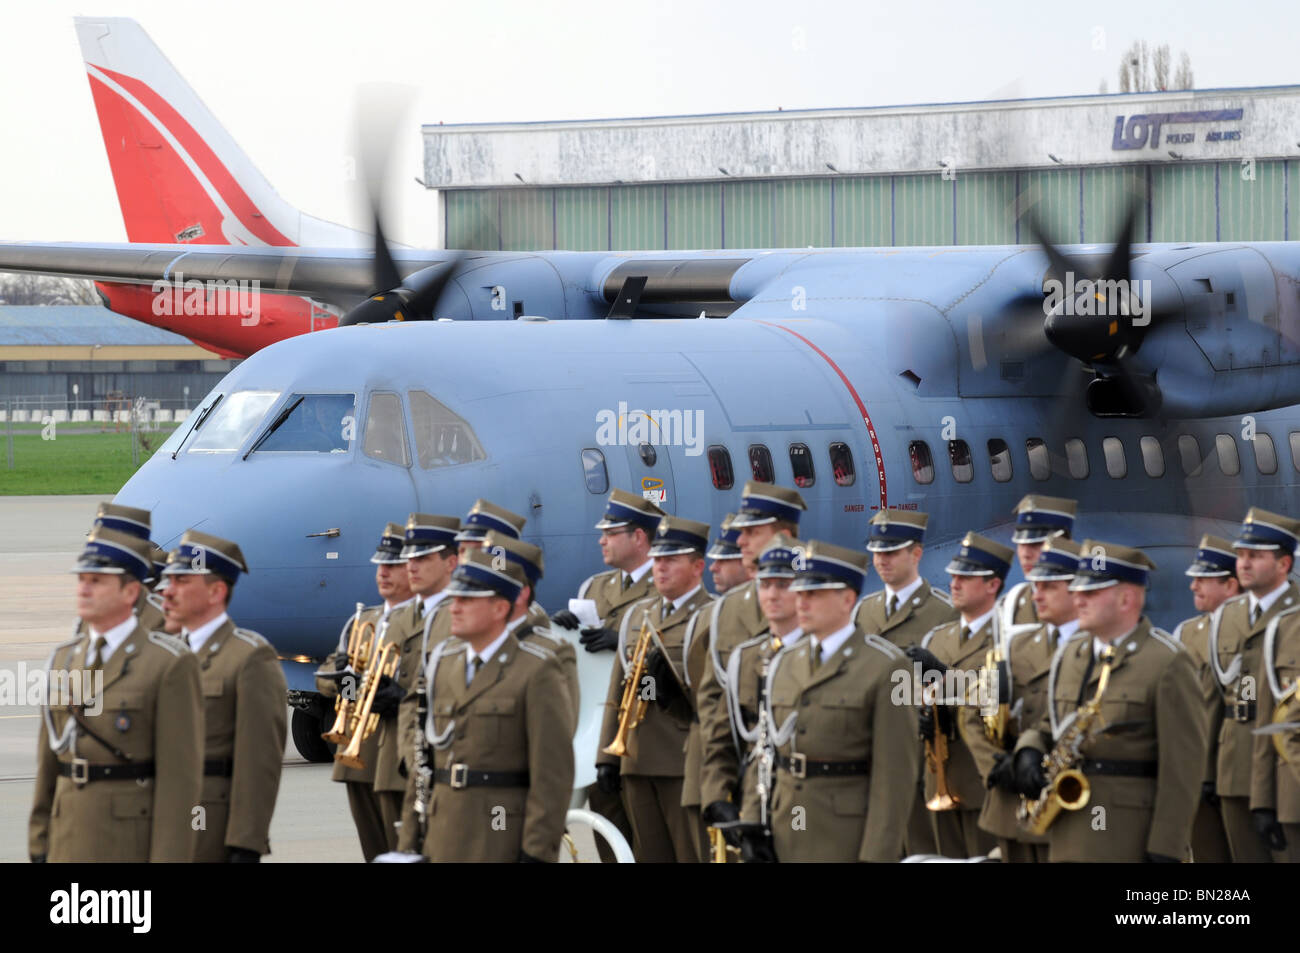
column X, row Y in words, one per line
column 800, row 767
column 83, row 772
column 1131, row 769
column 1241, row 710
column 219, row 768
column 460, row 776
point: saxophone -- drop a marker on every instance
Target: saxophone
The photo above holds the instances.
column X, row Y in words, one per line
column 1067, row 787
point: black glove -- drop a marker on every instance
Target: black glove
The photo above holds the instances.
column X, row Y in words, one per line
column 566, row 619
column 607, row 778
column 1161, row 859
column 336, row 672
column 665, row 684
column 929, row 661
column 598, row 639
column 756, row 847
column 241, row 855
column 1030, row 779
column 388, row 696
column 1003, row 774
column 723, row 812
column 524, row 858
column 1208, row 793
column 925, row 718
column 1268, row 829
column 38, row 858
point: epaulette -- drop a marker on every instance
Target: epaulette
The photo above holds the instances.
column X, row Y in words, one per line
column 543, row 653
column 536, row 632
column 169, row 642
column 252, row 638
column 884, row 646
column 1164, row 639
column 154, row 600
column 929, row 636
column 941, row 595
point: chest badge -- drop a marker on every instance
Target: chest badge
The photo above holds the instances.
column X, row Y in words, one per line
column 122, row 722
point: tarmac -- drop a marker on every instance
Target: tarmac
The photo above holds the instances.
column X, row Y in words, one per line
column 40, row 537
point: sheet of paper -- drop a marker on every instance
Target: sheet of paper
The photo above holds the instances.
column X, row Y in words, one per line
column 585, row 610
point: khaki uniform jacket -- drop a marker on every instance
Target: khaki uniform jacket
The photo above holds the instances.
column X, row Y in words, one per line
column 1194, row 636
column 612, row 600
column 406, row 632
column 964, row 778
column 1234, row 636
column 695, row 654
column 657, row 746
column 1030, row 649
column 927, row 608
column 844, row 712
column 329, row 689
column 1152, row 712
column 1017, row 607
column 152, row 710
column 1276, row 785
column 735, row 618
column 435, row 629
column 539, row 633
column 244, row 719
column 516, row 717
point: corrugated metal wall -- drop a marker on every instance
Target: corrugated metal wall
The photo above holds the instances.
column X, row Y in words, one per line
column 1202, row 201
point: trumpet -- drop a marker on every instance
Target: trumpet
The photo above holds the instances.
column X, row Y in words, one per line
column 363, row 722
column 632, row 707
column 1286, row 712
column 358, row 655
column 936, row 760
column 995, row 692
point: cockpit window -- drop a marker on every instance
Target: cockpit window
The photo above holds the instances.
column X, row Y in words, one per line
column 385, row 437
column 173, row 442
column 442, row 437
column 232, row 420
column 317, row 423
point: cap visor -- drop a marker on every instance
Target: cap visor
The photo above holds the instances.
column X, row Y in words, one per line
column 886, row 545
column 752, row 519
column 1089, row 584
column 964, row 567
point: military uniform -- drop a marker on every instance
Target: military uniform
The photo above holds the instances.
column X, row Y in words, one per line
column 1038, row 519
column 136, row 522
column 653, row 766
column 1144, row 766
column 841, row 739
column 1235, row 643
column 1275, row 780
column 120, row 785
column 502, row 757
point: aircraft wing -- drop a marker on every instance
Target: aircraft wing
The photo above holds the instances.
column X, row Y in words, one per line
column 344, row 273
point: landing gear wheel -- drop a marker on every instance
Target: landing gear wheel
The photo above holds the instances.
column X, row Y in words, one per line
column 307, row 738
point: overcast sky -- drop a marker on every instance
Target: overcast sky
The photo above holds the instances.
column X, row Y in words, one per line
column 283, row 77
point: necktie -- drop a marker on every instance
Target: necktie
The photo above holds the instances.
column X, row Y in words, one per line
column 893, row 606
column 627, row 581
column 1087, row 674
column 471, row 667
column 419, row 610
column 92, row 656
column 814, row 653
column 965, row 632
column 1254, row 613
column 668, row 607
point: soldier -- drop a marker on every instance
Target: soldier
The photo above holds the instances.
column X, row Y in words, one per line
column 902, row 613
column 136, row 522
column 626, row 528
column 978, row 573
column 1144, row 766
column 1214, row 582
column 1275, row 781
column 1265, row 549
column 501, row 728
column 484, row 517
column 430, row 556
column 244, row 694
column 726, row 567
column 120, row 757
column 651, row 770
column 157, row 582
column 394, row 588
column 765, row 510
column 1038, row 519
column 1028, row 660
column 842, row 737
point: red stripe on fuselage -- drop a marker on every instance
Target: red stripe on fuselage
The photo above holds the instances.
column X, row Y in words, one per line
column 208, row 162
column 862, row 408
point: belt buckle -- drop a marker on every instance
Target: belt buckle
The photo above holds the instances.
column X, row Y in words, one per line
column 799, row 766
column 459, row 776
column 1241, row 710
column 80, row 772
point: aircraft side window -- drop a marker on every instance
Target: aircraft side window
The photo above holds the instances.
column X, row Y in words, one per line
column 963, row 469
column 801, row 462
column 1076, row 458
column 1189, row 452
column 594, row 472
column 385, row 437
column 442, row 437
column 1265, row 455
column 842, row 464
column 1153, row 457
column 1000, row 460
column 317, row 423
column 760, row 462
column 1229, row 461
column 922, row 462
column 232, row 421
column 1040, row 461
column 1112, row 448
column 1294, row 440
column 720, row 468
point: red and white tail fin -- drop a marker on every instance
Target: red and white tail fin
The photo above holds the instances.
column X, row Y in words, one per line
column 180, row 176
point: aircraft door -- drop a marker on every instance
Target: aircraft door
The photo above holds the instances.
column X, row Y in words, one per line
column 648, row 459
